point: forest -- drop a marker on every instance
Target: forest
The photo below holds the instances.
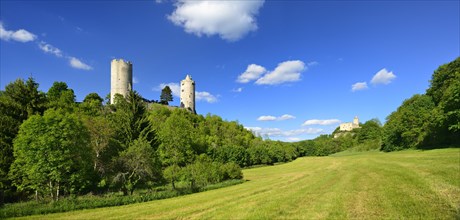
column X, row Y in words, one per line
column 53, row 147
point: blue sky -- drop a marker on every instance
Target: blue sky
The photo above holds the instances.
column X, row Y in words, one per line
column 290, row 70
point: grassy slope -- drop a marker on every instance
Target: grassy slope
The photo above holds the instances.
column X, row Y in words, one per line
column 408, row 184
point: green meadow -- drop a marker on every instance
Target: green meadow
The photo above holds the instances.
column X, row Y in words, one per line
column 372, row 185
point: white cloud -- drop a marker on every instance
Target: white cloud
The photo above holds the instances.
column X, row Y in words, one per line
column 276, row 132
column 199, row 96
column 206, row 96
column 383, row 77
column 19, row 35
column 312, row 63
column 285, row 117
column 293, row 139
column 175, row 88
column 48, row 48
column 237, row 90
column 231, row 20
column 253, row 72
column 321, row 122
column 359, row 86
column 78, row 64
column 273, row 118
column 135, row 80
column 288, row 71
column 266, row 118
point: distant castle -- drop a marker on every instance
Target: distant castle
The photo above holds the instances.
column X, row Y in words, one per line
column 350, row 125
column 121, row 82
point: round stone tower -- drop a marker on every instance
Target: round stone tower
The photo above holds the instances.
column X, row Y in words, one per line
column 121, row 78
column 187, row 94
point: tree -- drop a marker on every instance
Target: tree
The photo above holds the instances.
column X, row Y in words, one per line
column 370, row 131
column 19, row 101
column 52, row 154
column 61, row 97
column 408, row 126
column 166, row 95
column 445, row 92
column 138, row 164
column 175, row 138
column 92, row 105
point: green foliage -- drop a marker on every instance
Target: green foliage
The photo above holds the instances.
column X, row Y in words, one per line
column 19, row 101
column 51, row 155
column 137, row 165
column 370, row 131
column 407, row 126
column 431, row 120
column 166, row 95
column 61, row 97
column 92, row 105
column 176, row 139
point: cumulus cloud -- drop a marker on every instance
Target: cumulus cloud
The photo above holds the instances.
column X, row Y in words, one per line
column 312, row 63
column 288, row 71
column 48, row 48
column 253, row 72
column 293, row 139
column 175, row 88
column 383, row 77
column 20, row 35
column 231, row 20
column 321, row 122
column 199, row 96
column 206, row 96
column 276, row 132
column 266, row 118
column 285, row 117
column 274, row 118
column 78, row 64
column 359, row 86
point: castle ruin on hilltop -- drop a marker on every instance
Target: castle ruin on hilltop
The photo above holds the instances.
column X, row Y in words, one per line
column 121, row 82
column 350, row 125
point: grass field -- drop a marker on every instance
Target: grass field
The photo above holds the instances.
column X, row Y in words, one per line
column 372, row 185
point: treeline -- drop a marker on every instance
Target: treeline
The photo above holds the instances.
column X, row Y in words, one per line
column 430, row 120
column 53, row 147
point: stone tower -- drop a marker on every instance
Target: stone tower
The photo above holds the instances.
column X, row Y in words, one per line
column 356, row 121
column 187, row 94
column 121, row 78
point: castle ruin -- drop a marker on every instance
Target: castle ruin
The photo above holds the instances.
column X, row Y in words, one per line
column 350, row 125
column 121, row 82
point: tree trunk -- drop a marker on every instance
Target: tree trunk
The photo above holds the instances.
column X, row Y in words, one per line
column 173, row 185
column 57, row 192
column 36, row 195
column 51, row 191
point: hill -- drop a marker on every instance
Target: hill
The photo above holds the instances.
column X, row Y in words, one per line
column 371, row 185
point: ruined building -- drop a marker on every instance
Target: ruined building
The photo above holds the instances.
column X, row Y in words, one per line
column 350, row 125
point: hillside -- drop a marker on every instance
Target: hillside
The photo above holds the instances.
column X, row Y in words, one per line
column 406, row 184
